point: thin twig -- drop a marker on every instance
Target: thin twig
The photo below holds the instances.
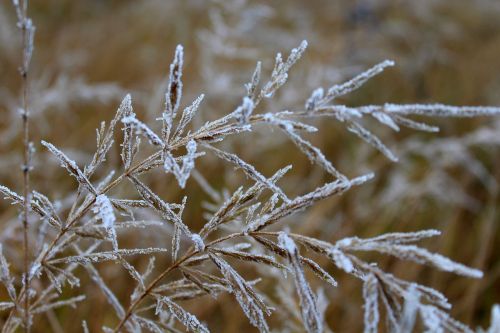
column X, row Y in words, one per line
column 169, row 269
column 27, row 32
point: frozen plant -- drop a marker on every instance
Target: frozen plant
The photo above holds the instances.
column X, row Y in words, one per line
column 247, row 225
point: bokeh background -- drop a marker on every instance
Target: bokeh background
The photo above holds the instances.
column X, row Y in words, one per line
column 89, row 54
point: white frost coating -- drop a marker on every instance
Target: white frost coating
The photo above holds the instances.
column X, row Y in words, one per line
column 345, row 242
column 362, row 179
column 314, row 154
column 431, row 320
column 341, row 112
column 106, row 255
column 396, row 244
column 311, row 317
column 5, row 277
column 409, row 315
column 252, row 85
column 26, row 24
column 161, row 206
column 85, row 328
column 181, row 173
column 11, row 195
column 128, row 139
column 280, row 70
column 250, row 302
column 250, row 171
column 187, row 115
column 307, row 200
column 419, row 255
column 198, row 242
column 187, row 319
column 189, row 158
column 438, row 261
column 495, row 319
column 142, row 128
column 312, row 101
column 244, row 111
column 287, row 243
column 441, row 110
column 176, row 242
column 71, row 166
column 370, row 296
column 6, row 305
column 401, row 237
column 67, row 302
column 436, row 320
column 371, row 139
column 104, row 210
column 34, row 270
column 174, row 90
column 353, row 84
column 385, row 119
column 341, row 260
column 415, row 124
column 322, row 302
column 287, row 124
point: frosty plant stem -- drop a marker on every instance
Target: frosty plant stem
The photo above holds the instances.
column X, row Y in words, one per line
column 72, row 220
column 301, row 201
column 26, row 184
column 192, row 252
column 27, row 35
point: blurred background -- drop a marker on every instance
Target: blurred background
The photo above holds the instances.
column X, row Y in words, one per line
column 89, row 54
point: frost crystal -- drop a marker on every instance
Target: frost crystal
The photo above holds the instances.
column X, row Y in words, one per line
column 174, row 91
column 71, row 166
column 370, row 295
column 191, row 322
column 310, row 314
column 198, row 242
column 341, row 260
column 244, row 111
column 251, row 303
column 495, row 319
column 104, row 210
column 181, row 173
column 356, row 82
column 187, row 115
column 143, row 129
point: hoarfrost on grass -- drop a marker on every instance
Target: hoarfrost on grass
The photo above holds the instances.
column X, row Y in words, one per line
column 239, row 222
